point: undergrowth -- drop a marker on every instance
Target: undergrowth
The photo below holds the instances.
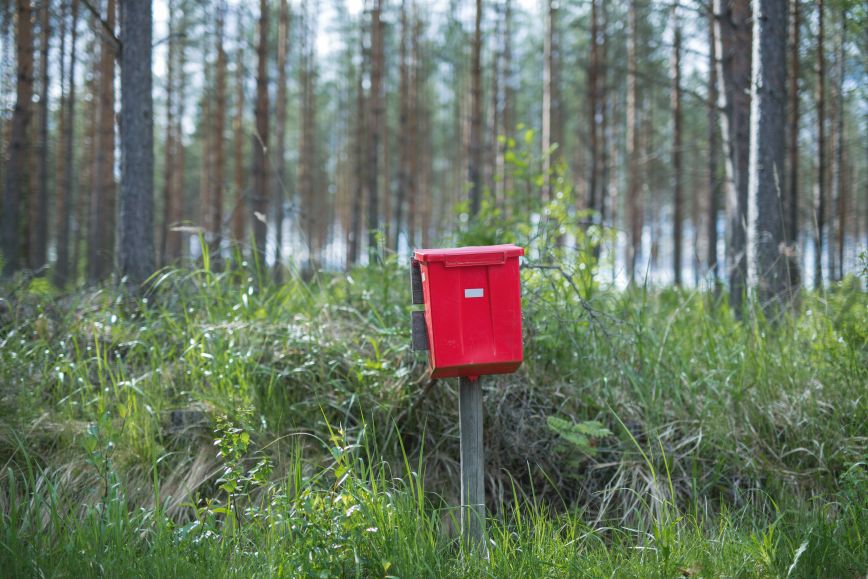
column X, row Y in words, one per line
column 226, row 425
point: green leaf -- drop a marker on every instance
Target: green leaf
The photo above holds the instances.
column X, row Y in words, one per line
column 579, row 433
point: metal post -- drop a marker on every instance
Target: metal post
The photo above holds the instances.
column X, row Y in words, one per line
column 472, row 463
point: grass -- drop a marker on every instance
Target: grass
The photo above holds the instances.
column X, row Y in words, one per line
column 224, row 425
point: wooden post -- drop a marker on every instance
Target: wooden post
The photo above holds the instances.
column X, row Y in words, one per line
column 472, row 464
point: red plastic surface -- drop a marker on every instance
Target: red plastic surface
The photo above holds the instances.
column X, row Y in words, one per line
column 472, row 309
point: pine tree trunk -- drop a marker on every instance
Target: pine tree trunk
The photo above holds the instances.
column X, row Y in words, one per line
column 474, row 172
column 260, row 165
column 64, row 179
column 714, row 182
column 634, row 200
column 820, row 185
column 403, row 126
column 136, row 247
column 169, row 146
column 102, row 201
column 733, row 19
column 215, row 220
column 413, row 189
column 280, row 151
column 239, row 212
column 677, row 152
column 17, row 179
column 375, row 101
column 548, row 66
column 766, row 262
column 791, row 199
column 39, row 203
column 354, row 245
column 594, row 112
column 177, row 208
column 838, row 172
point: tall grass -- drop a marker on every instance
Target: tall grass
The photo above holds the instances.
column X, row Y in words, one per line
column 736, row 447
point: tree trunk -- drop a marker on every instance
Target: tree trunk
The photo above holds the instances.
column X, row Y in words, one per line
column 374, row 126
column 17, row 179
column 65, row 180
column 838, row 173
column 39, row 204
column 548, row 70
column 820, row 185
column 260, row 166
column 791, row 199
column 413, row 183
column 310, row 202
column 239, row 212
column 178, row 207
column 713, row 153
column 280, row 152
column 677, row 152
column 733, row 19
column 474, row 171
column 85, row 178
column 767, row 263
column 634, row 201
column 355, row 236
column 403, row 127
column 136, row 246
column 508, row 100
column 102, row 202
column 169, row 146
column 218, row 173
column 594, row 112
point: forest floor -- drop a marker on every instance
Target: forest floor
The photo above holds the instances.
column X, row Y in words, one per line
column 225, row 425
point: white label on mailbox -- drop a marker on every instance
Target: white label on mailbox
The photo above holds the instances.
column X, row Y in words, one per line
column 473, row 292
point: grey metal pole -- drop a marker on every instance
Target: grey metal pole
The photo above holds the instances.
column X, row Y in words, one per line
column 472, row 463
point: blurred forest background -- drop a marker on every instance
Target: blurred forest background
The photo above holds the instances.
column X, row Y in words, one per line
column 329, row 133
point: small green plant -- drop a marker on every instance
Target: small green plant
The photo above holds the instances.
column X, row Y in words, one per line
column 236, row 480
column 582, row 435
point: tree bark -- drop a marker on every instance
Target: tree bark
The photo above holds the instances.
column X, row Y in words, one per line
column 820, row 185
column 474, row 169
column 239, row 212
column 791, row 199
column 136, row 246
column 838, row 172
column 101, row 233
column 280, row 151
column 39, row 204
column 767, row 262
column 733, row 19
column 713, row 153
column 64, row 160
column 634, row 200
column 403, row 127
column 215, row 218
column 594, row 113
column 169, row 146
column 260, row 151
column 677, row 152
column 17, row 179
column 375, row 100
column 355, row 235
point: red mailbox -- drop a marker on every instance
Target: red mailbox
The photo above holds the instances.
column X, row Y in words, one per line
column 472, row 298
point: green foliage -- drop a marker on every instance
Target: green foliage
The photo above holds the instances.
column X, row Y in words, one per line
column 735, row 445
column 582, row 435
column 552, row 230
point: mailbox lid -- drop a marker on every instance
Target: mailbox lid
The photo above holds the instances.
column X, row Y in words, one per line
column 470, row 256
